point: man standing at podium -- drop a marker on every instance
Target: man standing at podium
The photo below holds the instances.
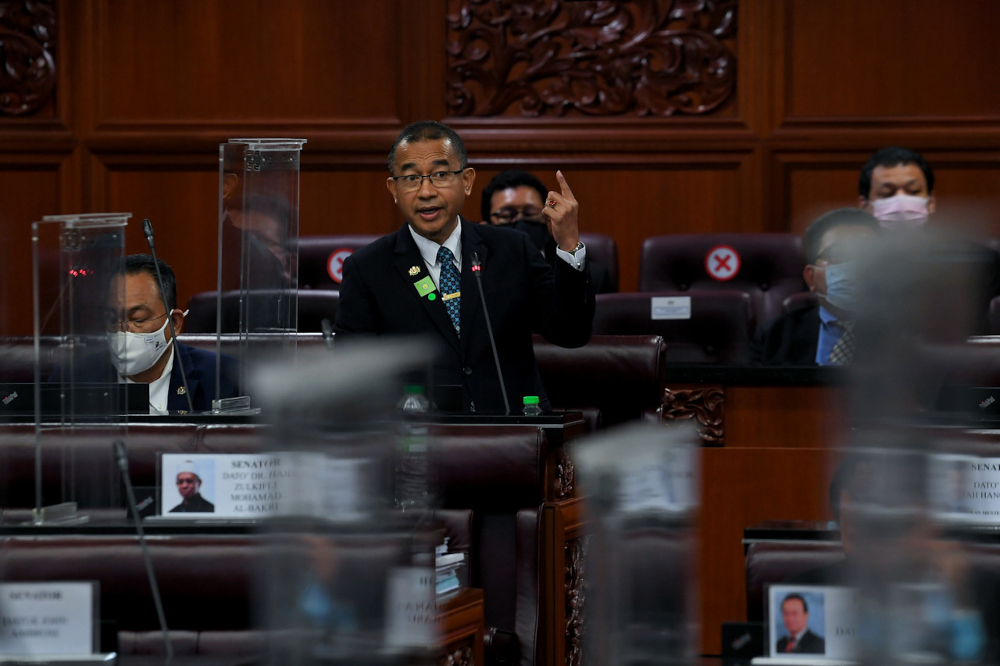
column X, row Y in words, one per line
column 422, row 278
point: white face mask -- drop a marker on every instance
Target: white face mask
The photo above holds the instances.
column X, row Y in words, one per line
column 132, row 353
column 903, row 211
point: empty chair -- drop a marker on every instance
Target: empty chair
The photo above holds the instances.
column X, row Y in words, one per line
column 714, row 328
column 314, row 305
column 767, row 266
column 322, row 257
column 604, row 249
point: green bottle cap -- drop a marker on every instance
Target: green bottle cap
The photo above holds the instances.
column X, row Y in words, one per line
column 531, row 399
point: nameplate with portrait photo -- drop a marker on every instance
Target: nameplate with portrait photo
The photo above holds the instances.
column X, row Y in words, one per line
column 964, row 489
column 812, row 623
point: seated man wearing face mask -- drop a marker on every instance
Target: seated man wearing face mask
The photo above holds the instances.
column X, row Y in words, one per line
column 818, row 334
column 896, row 185
column 141, row 348
column 515, row 198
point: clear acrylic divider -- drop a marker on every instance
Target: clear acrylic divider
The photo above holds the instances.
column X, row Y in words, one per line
column 258, row 250
column 78, row 395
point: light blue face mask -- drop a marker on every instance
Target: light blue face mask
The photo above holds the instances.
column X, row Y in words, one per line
column 842, row 286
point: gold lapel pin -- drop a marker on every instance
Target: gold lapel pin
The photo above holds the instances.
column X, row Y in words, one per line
column 414, row 270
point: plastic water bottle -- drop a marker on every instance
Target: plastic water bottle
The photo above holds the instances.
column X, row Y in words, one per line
column 414, row 401
column 412, row 487
column 531, row 407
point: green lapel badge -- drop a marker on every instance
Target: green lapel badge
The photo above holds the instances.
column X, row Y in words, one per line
column 425, row 286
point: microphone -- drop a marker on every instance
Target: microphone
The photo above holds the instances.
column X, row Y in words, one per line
column 147, row 229
column 476, row 268
column 122, row 457
column 327, row 333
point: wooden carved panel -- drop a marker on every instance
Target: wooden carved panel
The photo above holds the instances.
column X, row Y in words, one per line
column 704, row 405
column 576, row 597
column 599, row 58
column 565, row 474
column 27, row 55
column 460, row 654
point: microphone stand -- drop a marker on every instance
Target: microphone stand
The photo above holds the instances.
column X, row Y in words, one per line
column 476, row 268
column 147, row 229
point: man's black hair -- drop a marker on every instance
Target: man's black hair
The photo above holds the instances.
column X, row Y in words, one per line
column 506, row 180
column 796, row 595
column 821, row 225
column 143, row 263
column 890, row 157
column 429, row 130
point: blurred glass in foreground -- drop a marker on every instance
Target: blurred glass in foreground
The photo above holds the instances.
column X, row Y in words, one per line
column 641, row 484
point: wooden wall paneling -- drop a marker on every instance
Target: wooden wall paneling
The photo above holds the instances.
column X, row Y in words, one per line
column 911, row 61
column 29, row 190
column 180, row 196
column 742, row 487
column 784, row 416
column 347, row 201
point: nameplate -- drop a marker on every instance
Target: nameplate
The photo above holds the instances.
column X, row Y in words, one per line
column 48, row 618
column 665, row 479
column 664, row 307
column 249, row 486
column 411, row 609
column 824, row 621
column 965, row 488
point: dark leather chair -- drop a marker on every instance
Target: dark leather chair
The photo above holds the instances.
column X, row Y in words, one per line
column 718, row 331
column 611, row 379
column 802, row 299
column 316, row 253
column 314, row 306
column 769, row 563
column 770, row 267
column 603, row 248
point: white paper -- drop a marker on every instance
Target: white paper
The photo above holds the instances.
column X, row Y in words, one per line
column 411, row 607
column 47, row 618
column 965, row 488
column 670, row 307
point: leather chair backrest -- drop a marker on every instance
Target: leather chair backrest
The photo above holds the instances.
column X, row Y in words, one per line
column 314, row 305
column 621, row 375
column 770, row 563
column 802, row 299
column 320, row 258
column 770, row 266
column 603, row 248
column 718, row 331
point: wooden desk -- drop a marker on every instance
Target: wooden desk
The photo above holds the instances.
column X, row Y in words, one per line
column 770, row 435
column 460, row 621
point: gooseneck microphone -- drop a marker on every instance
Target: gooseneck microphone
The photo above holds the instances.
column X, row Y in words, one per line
column 122, row 457
column 147, row 229
column 476, row 268
column 327, row 333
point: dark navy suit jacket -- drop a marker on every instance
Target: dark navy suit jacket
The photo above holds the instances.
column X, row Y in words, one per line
column 524, row 295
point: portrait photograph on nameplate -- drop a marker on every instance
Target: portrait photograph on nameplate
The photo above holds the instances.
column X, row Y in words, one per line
column 820, row 622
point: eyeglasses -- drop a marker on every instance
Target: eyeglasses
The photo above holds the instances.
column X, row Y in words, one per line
column 412, row 181
column 134, row 325
column 510, row 214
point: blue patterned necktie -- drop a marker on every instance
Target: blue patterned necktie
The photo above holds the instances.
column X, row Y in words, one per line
column 450, row 285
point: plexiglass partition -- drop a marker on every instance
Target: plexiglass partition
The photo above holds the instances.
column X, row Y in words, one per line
column 78, row 309
column 258, row 244
column 348, row 578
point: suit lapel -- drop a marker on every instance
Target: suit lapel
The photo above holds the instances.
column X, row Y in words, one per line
column 407, row 257
column 176, row 400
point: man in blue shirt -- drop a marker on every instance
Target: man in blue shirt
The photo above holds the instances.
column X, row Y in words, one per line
column 809, row 335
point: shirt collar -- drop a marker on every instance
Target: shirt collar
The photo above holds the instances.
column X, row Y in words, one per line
column 826, row 316
column 429, row 249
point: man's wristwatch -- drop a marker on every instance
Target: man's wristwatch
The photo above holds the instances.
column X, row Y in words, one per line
column 579, row 246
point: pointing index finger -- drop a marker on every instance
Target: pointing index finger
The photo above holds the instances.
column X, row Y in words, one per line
column 564, row 186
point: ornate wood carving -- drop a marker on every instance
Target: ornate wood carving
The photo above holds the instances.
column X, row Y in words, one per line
column 599, row 58
column 27, row 55
column 565, row 474
column 459, row 655
column 576, row 598
column 704, row 405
